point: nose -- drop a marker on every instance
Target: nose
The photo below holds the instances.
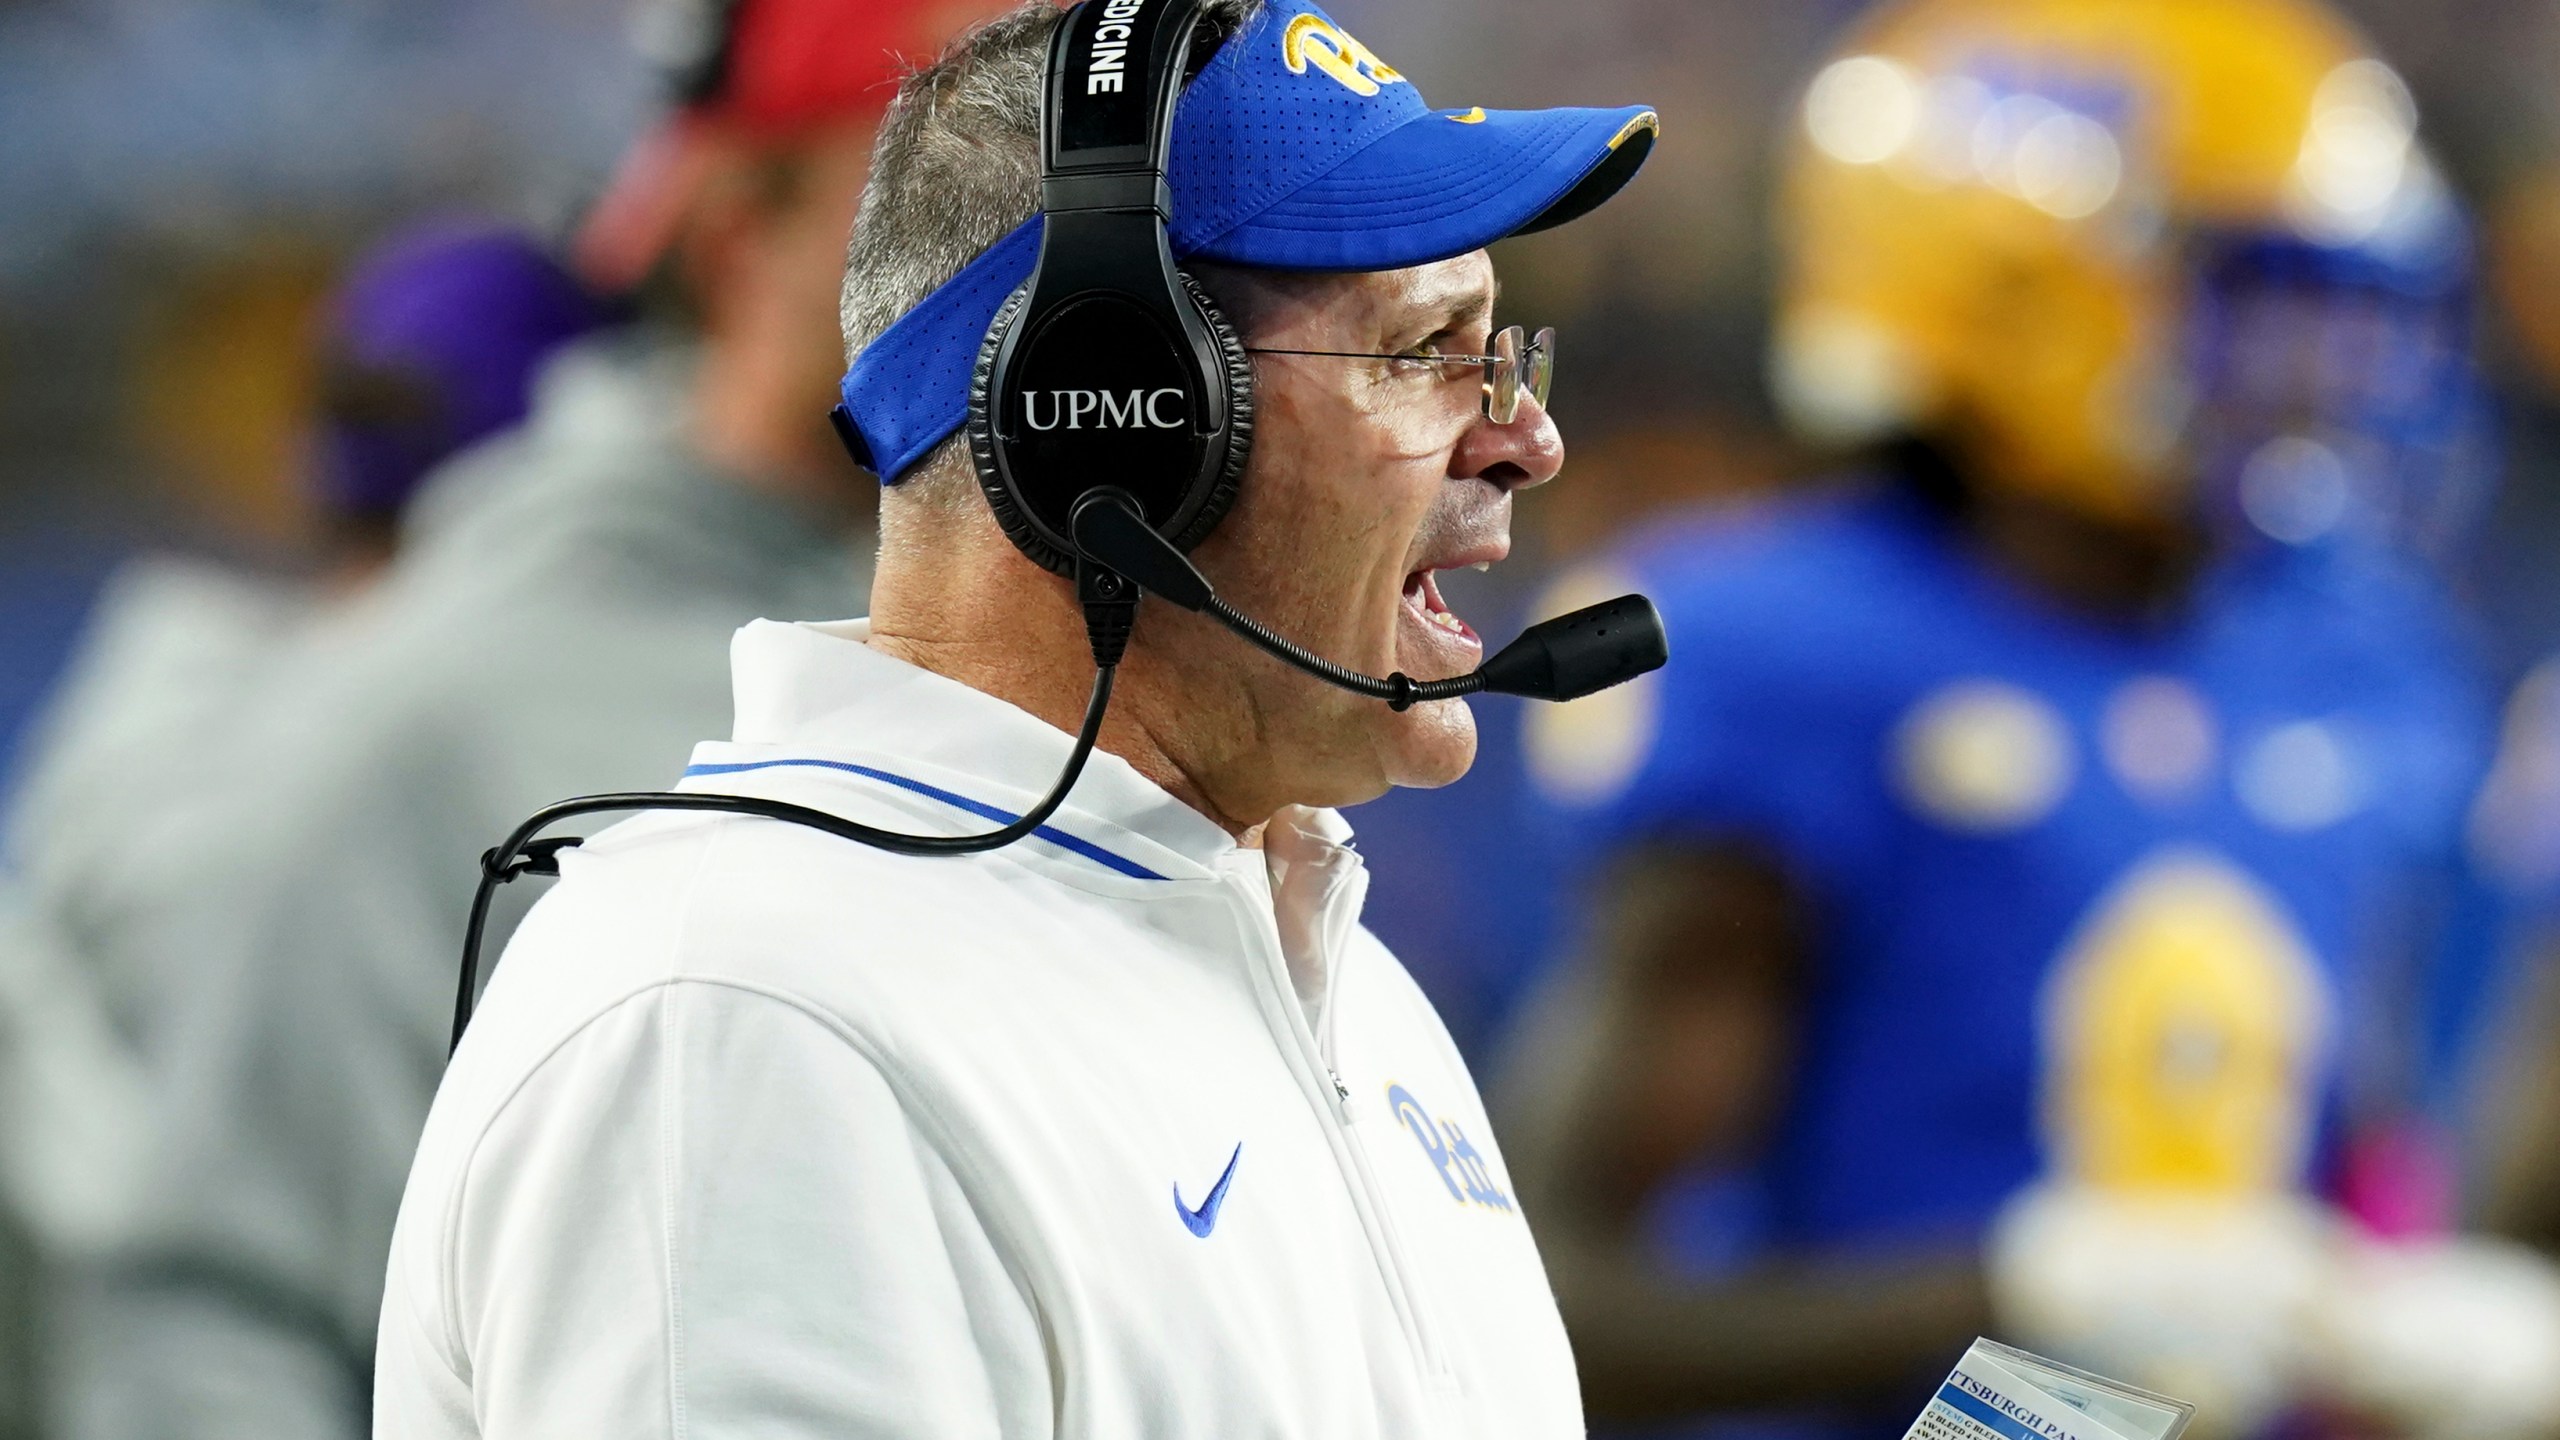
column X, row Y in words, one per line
column 1528, row 451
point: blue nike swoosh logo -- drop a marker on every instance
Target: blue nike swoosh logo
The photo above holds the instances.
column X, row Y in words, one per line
column 1205, row 1219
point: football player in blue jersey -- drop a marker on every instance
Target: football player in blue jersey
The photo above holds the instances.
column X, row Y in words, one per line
column 1992, row 909
column 2496, row 1014
column 2515, row 836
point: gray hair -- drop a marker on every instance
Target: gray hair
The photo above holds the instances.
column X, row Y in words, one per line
column 957, row 167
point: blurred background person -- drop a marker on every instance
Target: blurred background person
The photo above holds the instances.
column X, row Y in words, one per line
column 1674, row 405
column 431, row 344
column 579, row 578
column 185, row 183
column 2512, row 991
column 2000, row 912
column 2515, row 1095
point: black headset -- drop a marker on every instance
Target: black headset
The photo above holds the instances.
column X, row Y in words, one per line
column 1110, row 361
column 1110, row 418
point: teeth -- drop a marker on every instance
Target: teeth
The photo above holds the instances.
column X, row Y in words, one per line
column 1446, row 621
column 1481, row 566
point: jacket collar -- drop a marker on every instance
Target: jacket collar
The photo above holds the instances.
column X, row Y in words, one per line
column 820, row 693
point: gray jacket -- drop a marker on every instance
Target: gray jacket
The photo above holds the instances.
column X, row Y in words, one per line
column 560, row 625
column 132, row 737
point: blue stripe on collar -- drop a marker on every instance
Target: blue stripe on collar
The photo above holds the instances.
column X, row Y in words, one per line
column 1050, row 833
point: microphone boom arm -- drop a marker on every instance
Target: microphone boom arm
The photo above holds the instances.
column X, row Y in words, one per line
column 1564, row 658
column 1399, row 690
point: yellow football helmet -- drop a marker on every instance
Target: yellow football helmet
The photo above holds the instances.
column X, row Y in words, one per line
column 1987, row 208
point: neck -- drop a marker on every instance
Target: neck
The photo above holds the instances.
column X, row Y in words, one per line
column 1002, row 626
column 749, row 419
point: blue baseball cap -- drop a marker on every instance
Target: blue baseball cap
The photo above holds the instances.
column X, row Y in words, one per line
column 1294, row 149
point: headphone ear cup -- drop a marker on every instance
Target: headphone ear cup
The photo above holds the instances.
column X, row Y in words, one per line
column 1220, row 478
column 1010, row 516
column 1236, row 370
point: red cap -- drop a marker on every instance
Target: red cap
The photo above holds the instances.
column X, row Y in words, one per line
column 791, row 65
column 772, row 70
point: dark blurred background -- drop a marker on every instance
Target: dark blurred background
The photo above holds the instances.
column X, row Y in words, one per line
column 182, row 182
column 179, row 183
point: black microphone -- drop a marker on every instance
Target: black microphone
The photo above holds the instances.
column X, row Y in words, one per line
column 1566, row 658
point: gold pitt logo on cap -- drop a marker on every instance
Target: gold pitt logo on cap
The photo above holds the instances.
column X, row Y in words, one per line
column 1314, row 40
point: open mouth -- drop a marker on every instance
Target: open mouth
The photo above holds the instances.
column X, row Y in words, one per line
column 1422, row 596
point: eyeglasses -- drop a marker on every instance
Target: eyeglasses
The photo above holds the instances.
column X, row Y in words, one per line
column 1518, row 363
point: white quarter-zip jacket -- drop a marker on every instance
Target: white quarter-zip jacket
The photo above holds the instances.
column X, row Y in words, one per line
column 1123, row 1132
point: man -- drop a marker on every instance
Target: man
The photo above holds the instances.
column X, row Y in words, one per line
column 556, row 627
column 2516, row 833
column 429, row 345
column 1128, row 1129
column 2508, row 1012
column 1989, row 921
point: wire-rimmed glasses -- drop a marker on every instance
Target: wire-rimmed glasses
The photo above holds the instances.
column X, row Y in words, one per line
column 1519, row 363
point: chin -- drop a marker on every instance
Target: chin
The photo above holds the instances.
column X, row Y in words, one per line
column 1430, row 745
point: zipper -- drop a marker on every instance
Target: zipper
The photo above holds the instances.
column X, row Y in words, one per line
column 1324, row 1083
column 1354, row 1135
column 1434, row 1364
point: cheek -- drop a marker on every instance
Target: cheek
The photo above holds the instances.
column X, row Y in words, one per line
column 1403, row 421
column 1424, row 431
column 1350, row 477
column 1356, row 418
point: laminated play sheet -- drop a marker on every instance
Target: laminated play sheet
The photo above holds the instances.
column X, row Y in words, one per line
column 1999, row 1392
